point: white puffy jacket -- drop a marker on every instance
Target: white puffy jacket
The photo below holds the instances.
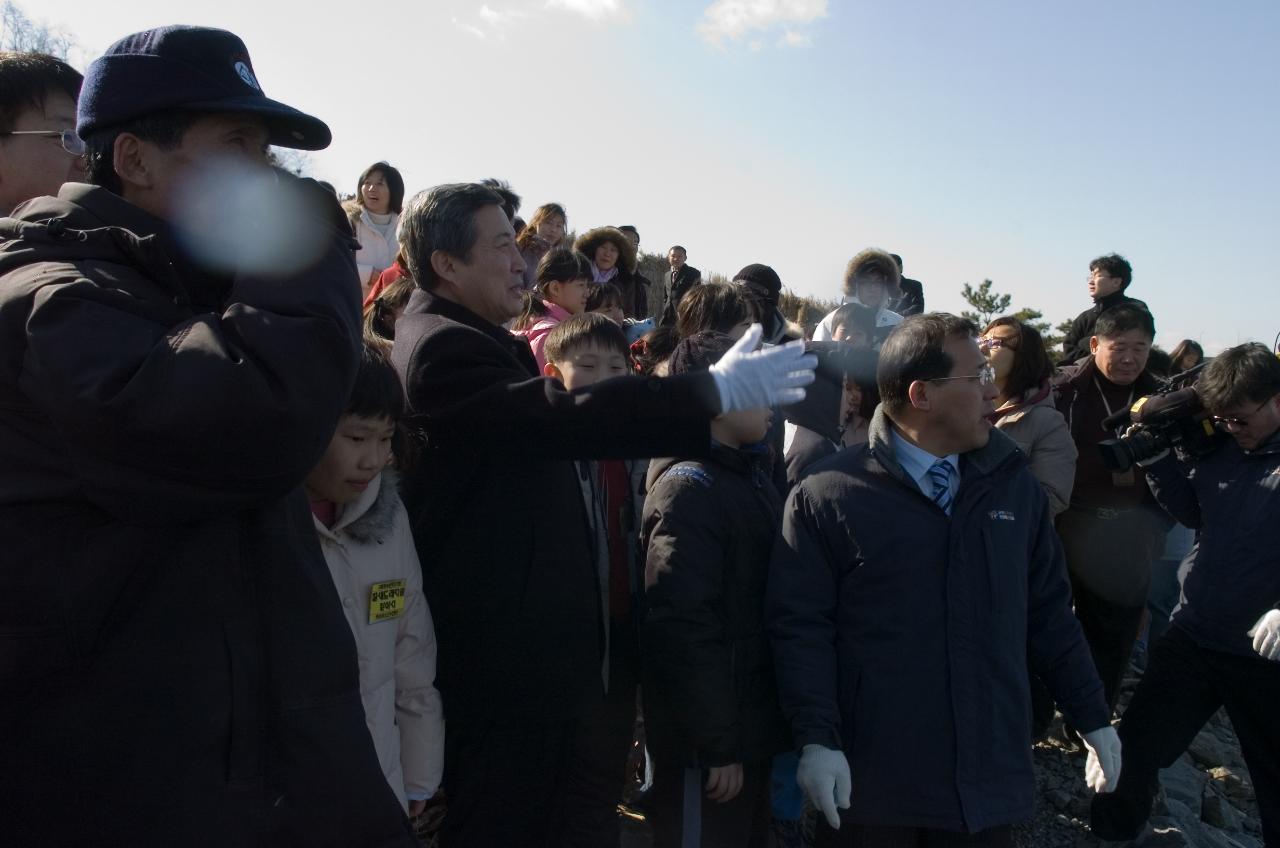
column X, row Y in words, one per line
column 375, row 569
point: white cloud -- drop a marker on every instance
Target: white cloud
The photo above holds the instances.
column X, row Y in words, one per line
column 732, row 20
column 596, row 10
column 498, row 18
column 471, row 29
column 791, row 38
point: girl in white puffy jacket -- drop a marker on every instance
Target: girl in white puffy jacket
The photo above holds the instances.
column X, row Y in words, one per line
column 364, row 533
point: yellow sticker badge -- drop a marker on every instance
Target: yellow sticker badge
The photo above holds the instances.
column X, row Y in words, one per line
column 386, row 601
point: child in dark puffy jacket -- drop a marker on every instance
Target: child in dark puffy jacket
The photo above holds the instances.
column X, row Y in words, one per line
column 710, row 701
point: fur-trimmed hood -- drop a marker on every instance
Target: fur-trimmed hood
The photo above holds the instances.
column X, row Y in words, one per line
column 873, row 258
column 589, row 241
column 371, row 518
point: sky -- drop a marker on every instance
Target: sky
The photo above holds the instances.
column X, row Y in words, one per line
column 1006, row 140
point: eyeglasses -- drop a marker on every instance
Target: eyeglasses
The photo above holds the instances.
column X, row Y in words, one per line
column 986, row 376
column 71, row 142
column 1239, row 423
column 994, row 343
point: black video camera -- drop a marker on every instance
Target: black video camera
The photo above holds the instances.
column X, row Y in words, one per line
column 1172, row 417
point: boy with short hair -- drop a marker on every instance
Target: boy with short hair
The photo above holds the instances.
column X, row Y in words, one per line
column 581, row 351
column 364, row 533
column 711, row 708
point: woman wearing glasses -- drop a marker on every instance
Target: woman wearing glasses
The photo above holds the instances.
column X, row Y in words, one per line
column 1024, row 408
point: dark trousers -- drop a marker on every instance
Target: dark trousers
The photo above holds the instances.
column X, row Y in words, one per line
column 852, row 835
column 504, row 782
column 683, row 817
column 1109, row 556
column 1111, row 630
column 597, row 772
column 1184, row 685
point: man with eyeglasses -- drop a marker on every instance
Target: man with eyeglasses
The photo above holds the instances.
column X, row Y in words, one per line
column 1222, row 648
column 914, row 578
column 39, row 148
column 1109, row 279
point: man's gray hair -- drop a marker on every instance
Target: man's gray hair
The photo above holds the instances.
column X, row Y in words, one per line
column 441, row 218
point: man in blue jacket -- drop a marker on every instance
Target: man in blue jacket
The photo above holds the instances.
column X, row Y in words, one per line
column 1223, row 647
column 914, row 577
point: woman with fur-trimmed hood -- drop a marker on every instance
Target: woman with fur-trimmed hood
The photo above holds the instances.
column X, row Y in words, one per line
column 871, row 278
column 613, row 260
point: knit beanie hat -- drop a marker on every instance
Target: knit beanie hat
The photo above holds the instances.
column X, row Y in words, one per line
column 699, row 352
column 761, row 282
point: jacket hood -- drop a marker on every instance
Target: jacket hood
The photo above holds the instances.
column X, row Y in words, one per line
column 86, row 223
column 590, row 241
column 983, row 461
column 880, row 258
column 370, row 518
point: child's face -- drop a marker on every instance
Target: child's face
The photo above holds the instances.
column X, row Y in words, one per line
column 612, row 311
column 359, row 450
column 744, row 427
column 587, row 365
column 571, row 296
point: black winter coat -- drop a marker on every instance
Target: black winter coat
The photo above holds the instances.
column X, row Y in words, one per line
column 709, row 693
column 1233, row 576
column 175, row 668
column 1075, row 346
column 508, row 562
column 902, row 635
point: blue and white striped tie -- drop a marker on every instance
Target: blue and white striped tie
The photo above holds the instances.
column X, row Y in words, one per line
column 940, row 476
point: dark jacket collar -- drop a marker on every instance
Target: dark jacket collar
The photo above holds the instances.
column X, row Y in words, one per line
column 1113, row 299
column 427, row 303
column 981, row 462
column 87, row 223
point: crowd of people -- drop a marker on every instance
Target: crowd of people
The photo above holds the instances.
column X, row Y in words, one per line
column 424, row 512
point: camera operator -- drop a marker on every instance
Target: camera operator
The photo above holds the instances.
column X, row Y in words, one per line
column 1113, row 530
column 1223, row 647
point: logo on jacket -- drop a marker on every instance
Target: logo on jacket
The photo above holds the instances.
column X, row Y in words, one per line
column 386, row 600
column 1001, row 515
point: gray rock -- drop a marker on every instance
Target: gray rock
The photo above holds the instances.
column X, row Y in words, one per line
column 1060, row 800
column 1184, row 783
column 1234, row 781
column 1217, row 811
column 1208, row 751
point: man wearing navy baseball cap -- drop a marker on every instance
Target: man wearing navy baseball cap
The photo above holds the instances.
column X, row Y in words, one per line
column 175, row 668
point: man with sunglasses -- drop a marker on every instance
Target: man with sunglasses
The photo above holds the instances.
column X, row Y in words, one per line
column 1222, row 648
column 914, row 578
column 39, row 148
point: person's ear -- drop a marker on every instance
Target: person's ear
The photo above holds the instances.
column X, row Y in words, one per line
column 131, row 158
column 443, row 264
column 1094, row 344
column 552, row 370
column 918, row 394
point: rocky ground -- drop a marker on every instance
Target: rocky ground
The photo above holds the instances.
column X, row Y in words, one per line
column 1206, row 799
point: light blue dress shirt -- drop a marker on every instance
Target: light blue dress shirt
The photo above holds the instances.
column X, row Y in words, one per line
column 917, row 461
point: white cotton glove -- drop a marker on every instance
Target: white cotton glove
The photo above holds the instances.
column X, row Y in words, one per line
column 824, row 776
column 1102, row 768
column 759, row 379
column 1266, row 636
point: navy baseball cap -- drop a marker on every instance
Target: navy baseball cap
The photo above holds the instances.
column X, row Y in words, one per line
column 195, row 69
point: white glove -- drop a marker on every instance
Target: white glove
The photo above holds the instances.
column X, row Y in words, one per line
column 1266, row 636
column 1102, row 768
column 759, row 379
column 824, row 776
